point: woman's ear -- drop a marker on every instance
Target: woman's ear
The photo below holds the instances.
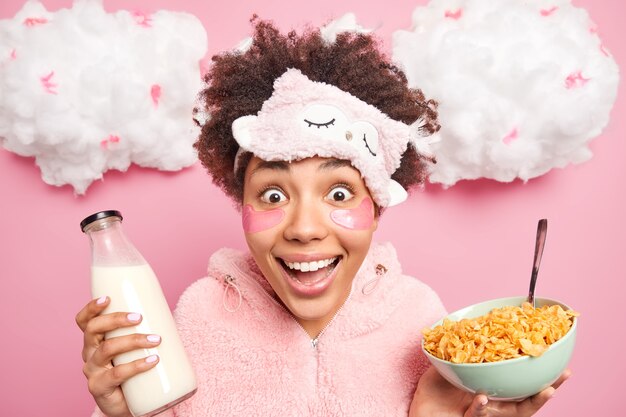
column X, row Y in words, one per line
column 378, row 210
column 375, row 225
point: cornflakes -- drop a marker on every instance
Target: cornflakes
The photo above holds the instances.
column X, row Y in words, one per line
column 504, row 333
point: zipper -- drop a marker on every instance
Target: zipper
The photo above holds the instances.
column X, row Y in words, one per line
column 314, row 341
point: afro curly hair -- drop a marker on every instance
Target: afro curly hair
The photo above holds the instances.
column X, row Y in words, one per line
column 238, row 83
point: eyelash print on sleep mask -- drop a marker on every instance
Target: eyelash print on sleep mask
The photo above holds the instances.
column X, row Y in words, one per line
column 358, row 218
column 257, row 221
column 305, row 118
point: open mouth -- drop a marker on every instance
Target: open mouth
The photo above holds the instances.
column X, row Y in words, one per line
column 310, row 273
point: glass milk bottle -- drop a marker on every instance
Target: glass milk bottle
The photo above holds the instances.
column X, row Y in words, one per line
column 121, row 273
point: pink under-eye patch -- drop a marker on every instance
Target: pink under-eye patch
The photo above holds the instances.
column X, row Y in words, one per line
column 358, row 218
column 257, row 221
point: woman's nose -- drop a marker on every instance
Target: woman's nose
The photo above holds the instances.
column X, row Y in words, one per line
column 306, row 223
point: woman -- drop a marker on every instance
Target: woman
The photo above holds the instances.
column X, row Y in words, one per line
column 312, row 140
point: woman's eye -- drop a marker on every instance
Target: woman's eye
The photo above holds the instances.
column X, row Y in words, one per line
column 273, row 196
column 340, row 193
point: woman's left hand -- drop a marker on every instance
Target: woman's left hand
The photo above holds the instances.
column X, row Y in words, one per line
column 436, row 397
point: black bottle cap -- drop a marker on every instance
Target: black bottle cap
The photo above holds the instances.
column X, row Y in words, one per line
column 99, row 215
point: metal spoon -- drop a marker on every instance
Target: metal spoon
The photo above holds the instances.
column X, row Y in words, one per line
column 542, row 229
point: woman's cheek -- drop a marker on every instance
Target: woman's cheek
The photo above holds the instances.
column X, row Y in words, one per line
column 358, row 218
column 257, row 221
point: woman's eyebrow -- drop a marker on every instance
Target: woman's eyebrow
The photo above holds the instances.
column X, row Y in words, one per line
column 334, row 164
column 271, row 165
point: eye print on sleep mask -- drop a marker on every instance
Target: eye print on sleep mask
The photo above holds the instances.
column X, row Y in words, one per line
column 329, row 122
column 254, row 221
column 358, row 218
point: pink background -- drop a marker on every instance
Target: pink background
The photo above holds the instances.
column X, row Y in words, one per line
column 472, row 242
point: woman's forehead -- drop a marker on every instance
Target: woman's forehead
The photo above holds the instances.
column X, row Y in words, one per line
column 320, row 164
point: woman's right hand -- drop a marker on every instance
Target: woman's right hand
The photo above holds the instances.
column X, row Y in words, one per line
column 103, row 378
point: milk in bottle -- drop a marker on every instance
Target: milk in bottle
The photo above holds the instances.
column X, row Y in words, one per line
column 121, row 273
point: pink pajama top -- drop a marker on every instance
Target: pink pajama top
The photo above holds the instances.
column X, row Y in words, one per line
column 252, row 358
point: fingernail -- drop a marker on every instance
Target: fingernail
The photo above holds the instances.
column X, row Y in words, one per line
column 101, row 300
column 154, row 338
column 484, row 401
column 152, row 358
column 133, row 317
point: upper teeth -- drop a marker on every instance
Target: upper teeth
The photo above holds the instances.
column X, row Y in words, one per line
column 310, row 266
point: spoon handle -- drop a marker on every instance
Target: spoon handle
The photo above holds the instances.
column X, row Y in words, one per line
column 542, row 229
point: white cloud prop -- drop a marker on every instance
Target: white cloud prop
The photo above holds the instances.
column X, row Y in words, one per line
column 523, row 86
column 85, row 91
column 346, row 23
